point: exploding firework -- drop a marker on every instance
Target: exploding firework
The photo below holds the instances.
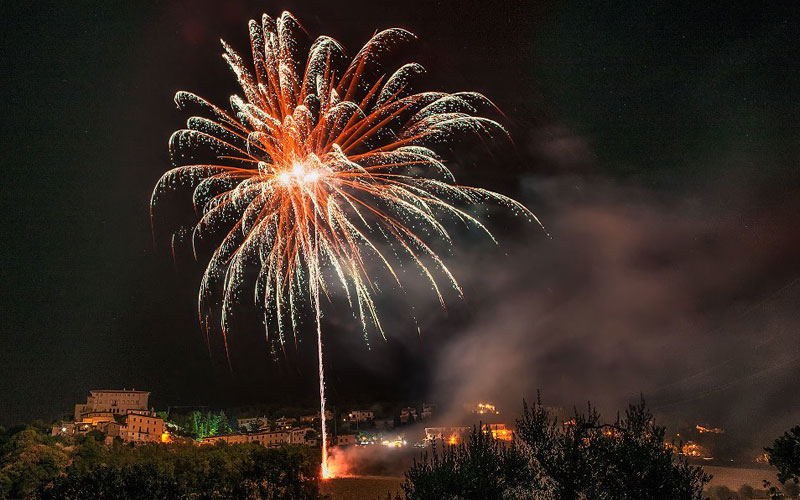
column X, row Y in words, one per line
column 322, row 164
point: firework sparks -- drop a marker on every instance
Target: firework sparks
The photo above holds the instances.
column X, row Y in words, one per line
column 321, row 165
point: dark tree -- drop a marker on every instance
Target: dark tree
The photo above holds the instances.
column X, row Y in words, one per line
column 628, row 459
column 236, row 472
column 35, row 465
column 480, row 468
column 582, row 459
column 784, row 455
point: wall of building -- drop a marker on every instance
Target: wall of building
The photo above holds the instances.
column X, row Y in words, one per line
column 142, row 428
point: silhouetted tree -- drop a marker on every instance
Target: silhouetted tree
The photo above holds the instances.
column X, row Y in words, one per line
column 236, row 472
column 479, row 468
column 628, row 459
column 582, row 459
column 784, row 455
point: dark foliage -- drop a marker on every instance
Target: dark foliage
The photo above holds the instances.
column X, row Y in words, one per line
column 784, row 455
column 628, row 459
column 479, row 468
column 36, row 466
column 580, row 459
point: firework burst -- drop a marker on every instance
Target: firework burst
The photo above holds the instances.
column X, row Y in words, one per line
column 320, row 166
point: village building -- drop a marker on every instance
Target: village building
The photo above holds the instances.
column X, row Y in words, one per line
column 116, row 413
column 142, row 427
column 225, row 438
column 115, row 402
column 252, row 424
column 408, row 415
column 268, row 439
column 285, row 423
column 446, row 435
column 345, row 439
column 499, row 431
column 360, row 416
column 303, row 436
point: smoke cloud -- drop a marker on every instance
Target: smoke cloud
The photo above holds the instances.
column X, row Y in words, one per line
column 689, row 299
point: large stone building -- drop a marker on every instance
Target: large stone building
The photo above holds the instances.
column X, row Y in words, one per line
column 115, row 402
column 116, row 413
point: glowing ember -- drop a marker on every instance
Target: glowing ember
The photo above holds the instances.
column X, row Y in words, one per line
column 707, row 430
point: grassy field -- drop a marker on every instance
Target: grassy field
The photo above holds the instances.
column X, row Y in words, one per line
column 734, row 477
column 376, row 487
column 361, row 488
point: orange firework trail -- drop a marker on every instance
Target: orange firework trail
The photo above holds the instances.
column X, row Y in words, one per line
column 322, row 164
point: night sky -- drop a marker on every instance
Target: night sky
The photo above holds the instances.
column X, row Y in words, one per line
column 659, row 144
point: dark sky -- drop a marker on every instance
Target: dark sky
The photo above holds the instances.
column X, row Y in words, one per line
column 658, row 143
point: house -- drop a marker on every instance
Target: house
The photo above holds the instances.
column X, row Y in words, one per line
column 252, row 424
column 427, row 411
column 299, row 436
column 345, row 439
column 446, row 435
column 482, row 409
column 408, row 415
column 285, row 423
column 63, row 429
column 141, row 427
column 224, row 438
column 499, row 431
column 268, row 439
column 360, row 416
